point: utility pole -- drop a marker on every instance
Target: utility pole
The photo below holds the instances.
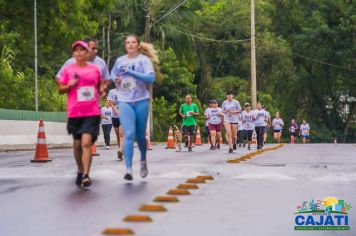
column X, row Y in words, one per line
column 148, row 40
column 36, row 69
column 253, row 57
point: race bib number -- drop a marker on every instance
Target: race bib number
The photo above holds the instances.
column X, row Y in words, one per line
column 292, row 129
column 305, row 132
column 189, row 113
column 128, row 83
column 85, row 93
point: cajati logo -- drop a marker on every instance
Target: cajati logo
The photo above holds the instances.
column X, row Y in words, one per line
column 328, row 214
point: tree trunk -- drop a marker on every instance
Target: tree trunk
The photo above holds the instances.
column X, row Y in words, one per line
column 108, row 42
column 103, row 40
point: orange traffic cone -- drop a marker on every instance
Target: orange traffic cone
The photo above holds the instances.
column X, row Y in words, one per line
column 254, row 137
column 41, row 154
column 148, row 145
column 198, row 138
column 170, row 140
column 93, row 150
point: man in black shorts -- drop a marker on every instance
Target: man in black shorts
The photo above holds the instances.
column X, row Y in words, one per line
column 188, row 111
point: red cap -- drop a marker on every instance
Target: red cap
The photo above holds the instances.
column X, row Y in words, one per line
column 80, row 43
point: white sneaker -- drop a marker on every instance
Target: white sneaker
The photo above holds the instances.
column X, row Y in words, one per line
column 128, row 175
column 107, row 147
column 143, row 169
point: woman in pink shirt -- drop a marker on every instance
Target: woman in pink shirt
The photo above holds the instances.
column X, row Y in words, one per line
column 83, row 83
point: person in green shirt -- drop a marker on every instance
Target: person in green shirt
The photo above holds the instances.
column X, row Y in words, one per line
column 188, row 111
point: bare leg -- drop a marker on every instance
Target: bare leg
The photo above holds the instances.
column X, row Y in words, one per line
column 78, row 154
column 86, row 155
column 228, row 133
column 213, row 137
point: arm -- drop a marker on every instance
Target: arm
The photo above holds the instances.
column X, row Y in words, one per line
column 64, row 88
column 148, row 78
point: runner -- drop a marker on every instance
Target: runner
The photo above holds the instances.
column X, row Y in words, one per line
column 91, row 58
column 113, row 97
column 206, row 113
column 260, row 124
column 293, row 131
column 188, row 111
column 82, row 82
column 267, row 124
column 247, row 118
column 133, row 72
column 240, row 132
column 231, row 109
column 277, row 124
column 214, row 117
column 304, row 131
column 106, row 123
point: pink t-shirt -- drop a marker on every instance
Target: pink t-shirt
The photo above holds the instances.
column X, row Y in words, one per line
column 83, row 99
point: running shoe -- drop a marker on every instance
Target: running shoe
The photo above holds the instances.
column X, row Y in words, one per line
column 78, row 181
column 218, row 146
column 244, row 144
column 213, row 148
column 128, row 175
column 189, row 149
column 119, row 155
column 107, row 147
column 239, row 145
column 230, row 150
column 234, row 146
column 86, row 181
column 248, row 148
column 143, row 170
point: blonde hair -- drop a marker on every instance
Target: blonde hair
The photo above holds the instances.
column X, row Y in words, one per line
column 148, row 50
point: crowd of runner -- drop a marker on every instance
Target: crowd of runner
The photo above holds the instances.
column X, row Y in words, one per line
column 240, row 124
column 85, row 78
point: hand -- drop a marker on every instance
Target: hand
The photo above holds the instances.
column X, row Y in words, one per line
column 72, row 83
column 102, row 93
column 123, row 70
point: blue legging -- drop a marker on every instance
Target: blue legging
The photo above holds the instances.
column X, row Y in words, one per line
column 133, row 118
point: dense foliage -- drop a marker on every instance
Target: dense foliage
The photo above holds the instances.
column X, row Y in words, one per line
column 305, row 54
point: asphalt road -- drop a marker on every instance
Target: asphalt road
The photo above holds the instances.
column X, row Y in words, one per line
column 256, row 197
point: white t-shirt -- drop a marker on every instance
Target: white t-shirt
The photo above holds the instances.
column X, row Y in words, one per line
column 113, row 96
column 107, row 112
column 304, row 128
column 206, row 113
column 240, row 125
column 261, row 117
column 247, row 120
column 277, row 124
column 227, row 106
column 214, row 118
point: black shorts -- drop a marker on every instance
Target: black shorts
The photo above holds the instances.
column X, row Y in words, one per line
column 248, row 135
column 78, row 125
column 294, row 134
column 188, row 130
column 276, row 131
column 115, row 122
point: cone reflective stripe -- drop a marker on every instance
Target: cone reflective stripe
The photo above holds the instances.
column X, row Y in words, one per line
column 170, row 140
column 198, row 138
column 93, row 150
column 148, row 142
column 41, row 154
